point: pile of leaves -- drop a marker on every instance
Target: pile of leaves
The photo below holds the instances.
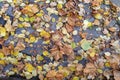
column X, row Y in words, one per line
column 60, row 39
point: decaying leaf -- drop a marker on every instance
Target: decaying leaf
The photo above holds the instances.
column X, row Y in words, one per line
column 107, row 74
column 9, row 27
column 112, row 29
column 30, row 9
column 20, row 66
column 116, row 75
column 51, row 74
column 20, row 46
column 79, row 67
column 62, row 12
column 90, row 68
column 70, row 4
column 69, row 28
column 59, row 76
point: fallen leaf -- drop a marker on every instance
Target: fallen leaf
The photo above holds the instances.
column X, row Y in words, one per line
column 79, row 67
column 85, row 44
column 73, row 44
column 70, row 4
column 30, row 9
column 112, row 29
column 44, row 34
column 20, row 46
column 2, row 31
column 62, row 12
column 9, row 27
column 71, row 21
column 29, row 67
column 20, row 66
column 51, row 74
column 116, row 75
column 90, row 68
column 69, row 28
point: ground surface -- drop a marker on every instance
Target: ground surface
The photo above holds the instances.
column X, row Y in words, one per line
column 59, row 39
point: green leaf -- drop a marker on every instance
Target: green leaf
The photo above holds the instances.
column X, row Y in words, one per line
column 85, row 44
column 73, row 44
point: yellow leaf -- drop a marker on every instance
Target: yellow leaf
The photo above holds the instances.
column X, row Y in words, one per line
column 44, row 34
column 1, row 55
column 59, row 6
column 98, row 16
column 39, row 58
column 32, row 39
column 92, row 54
column 2, row 62
column 107, row 64
column 29, row 67
column 2, row 31
column 100, row 70
column 45, row 53
column 47, row 41
column 39, row 68
column 15, row 53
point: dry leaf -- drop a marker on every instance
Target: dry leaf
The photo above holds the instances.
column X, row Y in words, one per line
column 20, row 46
column 112, row 29
column 9, row 27
column 59, row 76
column 116, row 75
column 20, row 66
column 69, row 28
column 90, row 68
column 107, row 74
column 79, row 67
column 30, row 9
column 41, row 77
column 62, row 12
column 70, row 4
column 83, row 35
column 51, row 74
column 71, row 21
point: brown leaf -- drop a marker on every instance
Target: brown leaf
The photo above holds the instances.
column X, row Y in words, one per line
column 67, row 49
column 59, row 76
column 30, row 9
column 41, row 77
column 96, row 22
column 107, row 74
column 114, row 61
column 20, row 66
column 78, row 23
column 69, row 28
column 112, row 29
column 51, row 74
column 1, row 40
column 70, row 4
column 62, row 12
column 116, row 75
column 90, row 68
column 20, row 46
column 83, row 35
column 5, row 50
column 79, row 67
column 71, row 21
